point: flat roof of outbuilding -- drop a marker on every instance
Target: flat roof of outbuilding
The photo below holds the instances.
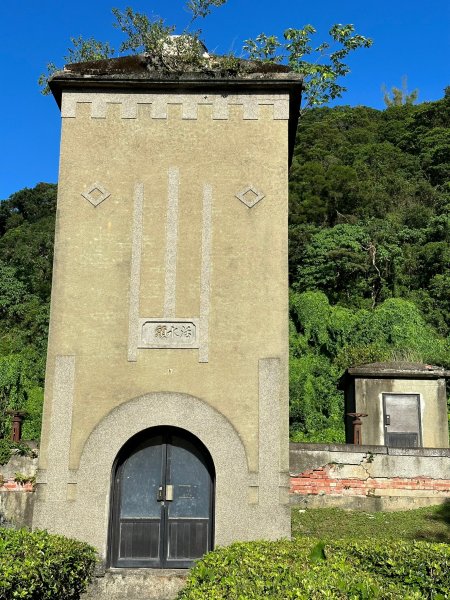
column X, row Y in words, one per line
column 398, row 370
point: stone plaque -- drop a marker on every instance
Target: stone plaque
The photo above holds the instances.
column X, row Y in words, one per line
column 169, row 333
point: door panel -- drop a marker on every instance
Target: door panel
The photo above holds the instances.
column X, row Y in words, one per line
column 139, row 540
column 188, row 539
column 162, row 501
column 138, row 521
column 402, row 420
column 140, row 479
column 188, row 513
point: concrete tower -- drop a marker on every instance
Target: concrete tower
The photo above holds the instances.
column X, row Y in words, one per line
column 166, row 412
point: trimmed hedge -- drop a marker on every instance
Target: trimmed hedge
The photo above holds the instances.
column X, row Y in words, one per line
column 38, row 565
column 308, row 570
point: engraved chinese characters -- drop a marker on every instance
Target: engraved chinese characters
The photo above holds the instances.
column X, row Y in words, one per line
column 174, row 333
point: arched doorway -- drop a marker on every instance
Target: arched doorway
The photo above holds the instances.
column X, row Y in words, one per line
column 162, row 500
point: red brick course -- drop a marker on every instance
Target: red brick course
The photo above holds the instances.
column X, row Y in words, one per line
column 13, row 486
column 325, row 480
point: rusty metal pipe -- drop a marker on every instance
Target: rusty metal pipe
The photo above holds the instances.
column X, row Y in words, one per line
column 357, row 430
column 17, row 418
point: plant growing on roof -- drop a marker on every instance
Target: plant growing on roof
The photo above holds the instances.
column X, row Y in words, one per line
column 321, row 65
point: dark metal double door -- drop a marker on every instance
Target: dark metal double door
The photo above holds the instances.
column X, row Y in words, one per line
column 162, row 502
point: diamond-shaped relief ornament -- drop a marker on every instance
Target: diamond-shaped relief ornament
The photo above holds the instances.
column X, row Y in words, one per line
column 96, row 194
column 250, row 196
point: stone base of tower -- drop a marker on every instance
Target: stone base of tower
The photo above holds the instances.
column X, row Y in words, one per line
column 136, row 584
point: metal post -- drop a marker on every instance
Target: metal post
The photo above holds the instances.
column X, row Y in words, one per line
column 17, row 419
column 357, row 433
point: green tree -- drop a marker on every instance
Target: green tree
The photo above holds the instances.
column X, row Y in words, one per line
column 348, row 263
column 322, row 65
column 325, row 64
column 27, row 222
column 326, row 339
column 21, row 389
column 399, row 96
column 29, row 205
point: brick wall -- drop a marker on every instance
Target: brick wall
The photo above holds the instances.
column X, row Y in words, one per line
column 322, row 475
column 10, row 485
column 327, row 480
column 338, row 474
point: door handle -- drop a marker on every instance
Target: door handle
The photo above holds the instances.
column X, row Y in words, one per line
column 387, row 420
column 160, row 494
column 169, row 493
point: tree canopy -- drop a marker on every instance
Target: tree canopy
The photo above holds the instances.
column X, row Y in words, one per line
column 369, row 250
column 27, row 223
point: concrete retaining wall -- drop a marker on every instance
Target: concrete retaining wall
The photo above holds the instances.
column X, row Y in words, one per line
column 16, row 494
column 368, row 477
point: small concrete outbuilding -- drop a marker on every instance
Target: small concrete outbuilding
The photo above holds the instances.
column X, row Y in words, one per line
column 397, row 404
column 165, row 427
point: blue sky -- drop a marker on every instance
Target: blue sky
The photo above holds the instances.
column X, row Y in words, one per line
column 410, row 38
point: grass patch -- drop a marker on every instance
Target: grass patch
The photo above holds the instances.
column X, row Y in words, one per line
column 431, row 524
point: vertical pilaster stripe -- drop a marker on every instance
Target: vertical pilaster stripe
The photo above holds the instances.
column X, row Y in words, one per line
column 135, row 275
column 269, row 430
column 205, row 277
column 60, row 427
column 171, row 243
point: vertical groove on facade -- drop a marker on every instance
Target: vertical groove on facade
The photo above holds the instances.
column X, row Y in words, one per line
column 171, row 243
column 135, row 276
column 205, row 279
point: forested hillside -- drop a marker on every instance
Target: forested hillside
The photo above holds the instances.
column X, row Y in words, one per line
column 27, row 222
column 369, row 250
column 369, row 260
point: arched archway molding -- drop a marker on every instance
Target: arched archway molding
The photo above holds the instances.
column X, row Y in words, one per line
column 176, row 410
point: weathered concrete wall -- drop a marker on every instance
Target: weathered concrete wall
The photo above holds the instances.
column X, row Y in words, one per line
column 24, row 465
column 368, row 477
column 16, row 507
column 17, row 498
